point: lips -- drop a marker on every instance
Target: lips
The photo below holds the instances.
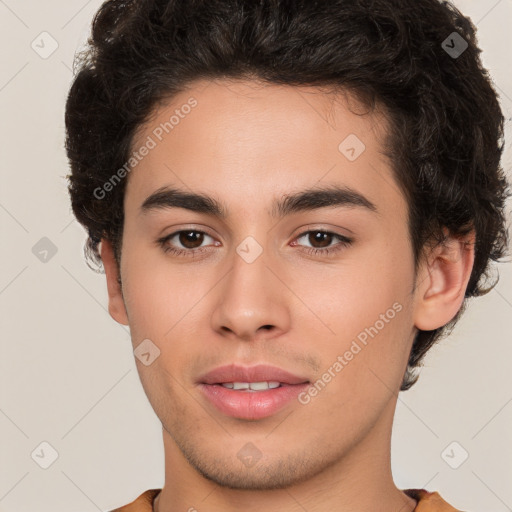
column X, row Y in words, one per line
column 242, row 403
column 257, row 373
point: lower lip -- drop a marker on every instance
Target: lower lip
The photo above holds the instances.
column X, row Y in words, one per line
column 251, row 405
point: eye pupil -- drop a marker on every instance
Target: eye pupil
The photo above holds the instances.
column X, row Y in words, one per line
column 321, row 238
column 195, row 235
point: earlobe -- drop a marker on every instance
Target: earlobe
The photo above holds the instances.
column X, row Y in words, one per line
column 116, row 306
column 443, row 280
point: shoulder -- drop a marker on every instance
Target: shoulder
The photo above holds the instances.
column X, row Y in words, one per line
column 429, row 501
column 144, row 503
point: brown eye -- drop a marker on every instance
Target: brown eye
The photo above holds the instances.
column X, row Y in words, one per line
column 187, row 242
column 321, row 242
column 320, row 237
column 190, row 239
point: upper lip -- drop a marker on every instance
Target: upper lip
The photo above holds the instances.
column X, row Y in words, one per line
column 258, row 373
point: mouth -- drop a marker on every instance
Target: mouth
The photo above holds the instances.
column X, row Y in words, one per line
column 252, row 386
column 250, row 393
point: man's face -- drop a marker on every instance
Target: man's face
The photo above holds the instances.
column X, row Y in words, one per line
column 255, row 295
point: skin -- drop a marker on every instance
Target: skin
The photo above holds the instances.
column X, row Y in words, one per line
column 246, row 143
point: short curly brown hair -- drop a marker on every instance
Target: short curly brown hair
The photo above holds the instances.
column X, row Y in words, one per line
column 446, row 135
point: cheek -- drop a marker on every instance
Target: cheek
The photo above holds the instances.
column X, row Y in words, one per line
column 354, row 295
column 363, row 365
column 368, row 310
column 158, row 300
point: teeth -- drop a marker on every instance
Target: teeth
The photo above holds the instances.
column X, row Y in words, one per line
column 251, row 386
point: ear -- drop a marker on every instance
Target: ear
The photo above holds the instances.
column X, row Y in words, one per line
column 442, row 281
column 116, row 306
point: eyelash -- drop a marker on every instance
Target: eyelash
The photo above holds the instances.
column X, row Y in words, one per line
column 344, row 242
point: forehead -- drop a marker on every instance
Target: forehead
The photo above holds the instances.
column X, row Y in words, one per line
column 248, row 140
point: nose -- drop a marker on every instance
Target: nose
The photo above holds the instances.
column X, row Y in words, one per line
column 252, row 299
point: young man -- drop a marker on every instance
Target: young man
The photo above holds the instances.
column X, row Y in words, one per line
column 291, row 202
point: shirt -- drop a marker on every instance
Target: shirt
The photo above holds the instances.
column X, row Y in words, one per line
column 427, row 502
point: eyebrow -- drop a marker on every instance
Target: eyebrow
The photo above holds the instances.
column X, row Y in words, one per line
column 304, row 200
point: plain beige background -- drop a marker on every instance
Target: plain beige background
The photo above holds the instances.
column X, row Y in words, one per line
column 68, row 376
